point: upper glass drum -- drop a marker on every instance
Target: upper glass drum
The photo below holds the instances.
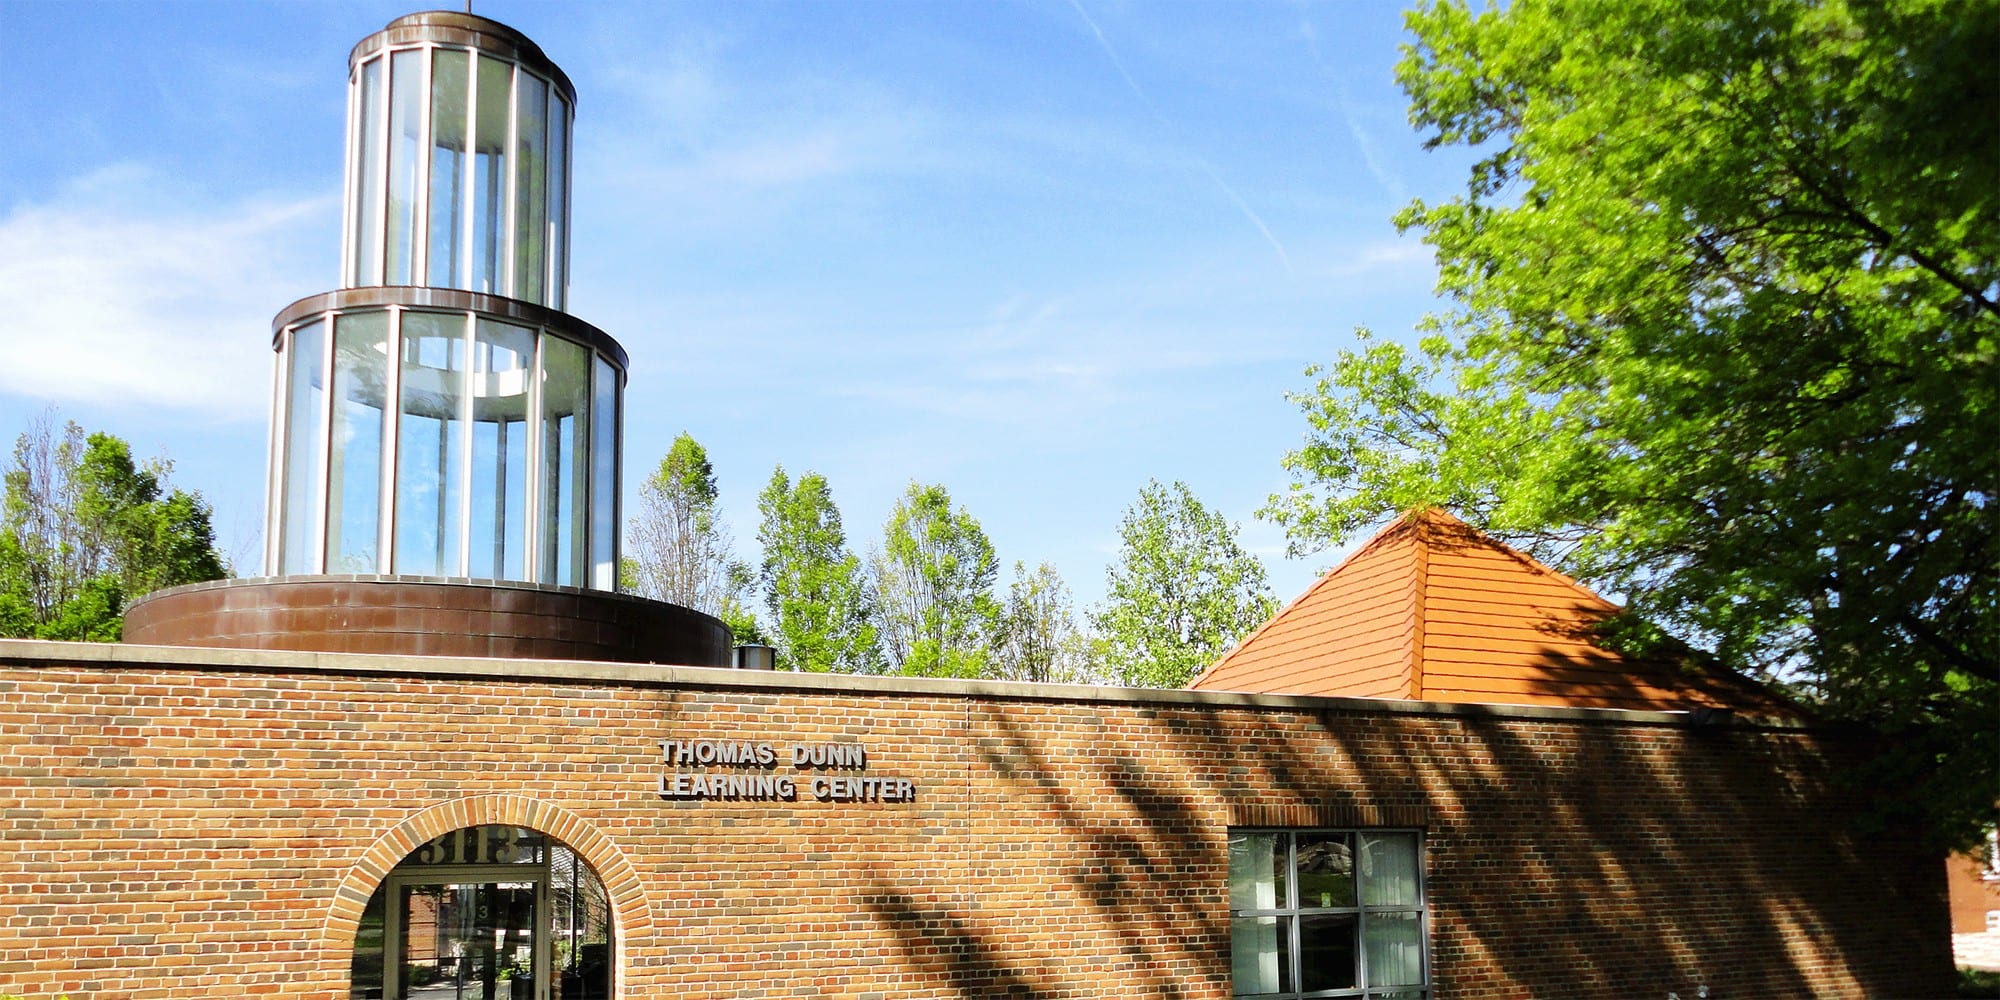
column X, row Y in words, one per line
column 458, row 161
column 445, row 434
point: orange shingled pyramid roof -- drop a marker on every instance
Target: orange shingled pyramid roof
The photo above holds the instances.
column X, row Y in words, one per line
column 1432, row 609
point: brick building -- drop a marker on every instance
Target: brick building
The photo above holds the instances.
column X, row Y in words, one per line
column 201, row 822
column 434, row 755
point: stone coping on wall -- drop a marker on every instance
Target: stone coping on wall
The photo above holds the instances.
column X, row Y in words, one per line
column 40, row 653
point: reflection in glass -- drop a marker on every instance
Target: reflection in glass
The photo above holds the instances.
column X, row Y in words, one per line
column 366, row 264
column 486, row 912
column 305, row 407
column 354, row 496
column 1326, row 952
column 1260, row 955
column 1389, row 869
column 1394, row 942
column 503, row 357
column 565, row 466
column 603, row 475
column 429, row 445
column 1326, row 869
column 531, row 195
column 558, row 248
column 1256, row 871
column 406, row 95
column 489, row 175
column 448, row 167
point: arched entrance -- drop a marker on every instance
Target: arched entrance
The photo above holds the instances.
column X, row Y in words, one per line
column 488, row 912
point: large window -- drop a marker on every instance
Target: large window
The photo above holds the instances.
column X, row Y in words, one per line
column 1327, row 913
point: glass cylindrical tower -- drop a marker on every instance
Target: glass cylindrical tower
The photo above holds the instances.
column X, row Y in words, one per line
column 440, row 415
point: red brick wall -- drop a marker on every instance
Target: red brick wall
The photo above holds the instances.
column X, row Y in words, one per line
column 1973, row 893
column 167, row 831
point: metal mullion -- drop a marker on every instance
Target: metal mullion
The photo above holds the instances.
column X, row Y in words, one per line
column 349, row 274
column 318, row 563
column 274, row 467
column 466, row 395
column 392, row 435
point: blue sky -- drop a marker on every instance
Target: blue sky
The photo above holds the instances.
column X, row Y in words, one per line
column 1035, row 251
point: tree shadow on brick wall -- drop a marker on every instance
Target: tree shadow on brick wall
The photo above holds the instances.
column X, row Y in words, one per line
column 1620, row 860
column 1142, row 867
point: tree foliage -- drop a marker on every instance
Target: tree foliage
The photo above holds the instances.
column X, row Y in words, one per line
column 1727, row 315
column 933, row 582
column 86, row 529
column 682, row 552
column 1039, row 639
column 814, row 586
column 1181, row 592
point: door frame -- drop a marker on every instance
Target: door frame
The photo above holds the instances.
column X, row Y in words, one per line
column 490, row 874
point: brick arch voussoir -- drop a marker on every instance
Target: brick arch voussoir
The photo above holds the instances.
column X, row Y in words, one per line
column 632, row 912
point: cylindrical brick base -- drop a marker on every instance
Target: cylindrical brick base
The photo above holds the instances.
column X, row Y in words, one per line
column 426, row 616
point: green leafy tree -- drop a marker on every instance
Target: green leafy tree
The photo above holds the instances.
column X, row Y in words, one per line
column 681, row 550
column 84, row 529
column 1181, row 592
column 933, row 582
column 1726, row 340
column 1039, row 638
column 814, row 587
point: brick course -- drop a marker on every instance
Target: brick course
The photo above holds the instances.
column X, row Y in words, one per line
column 194, row 823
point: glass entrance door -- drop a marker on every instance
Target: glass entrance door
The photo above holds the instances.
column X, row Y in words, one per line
column 466, row 935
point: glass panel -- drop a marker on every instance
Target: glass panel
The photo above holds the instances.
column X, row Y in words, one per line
column 603, row 475
column 467, row 940
column 489, row 175
column 1260, row 955
column 1327, row 952
column 531, row 196
column 1389, row 869
column 365, row 971
column 558, row 248
column 354, row 501
column 1256, row 871
column 580, row 926
column 304, row 444
column 1395, row 949
column 368, row 179
column 430, row 444
column 565, row 459
column 406, row 81
column 502, row 358
column 1326, row 869
column 447, row 207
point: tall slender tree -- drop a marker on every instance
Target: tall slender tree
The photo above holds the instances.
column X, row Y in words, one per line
column 933, row 580
column 1182, row 591
column 84, row 529
column 1039, row 638
column 682, row 552
column 814, row 586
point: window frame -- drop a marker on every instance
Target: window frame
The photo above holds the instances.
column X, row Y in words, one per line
column 1292, row 911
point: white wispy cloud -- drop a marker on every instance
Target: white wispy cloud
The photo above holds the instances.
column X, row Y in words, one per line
column 1201, row 161
column 122, row 292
